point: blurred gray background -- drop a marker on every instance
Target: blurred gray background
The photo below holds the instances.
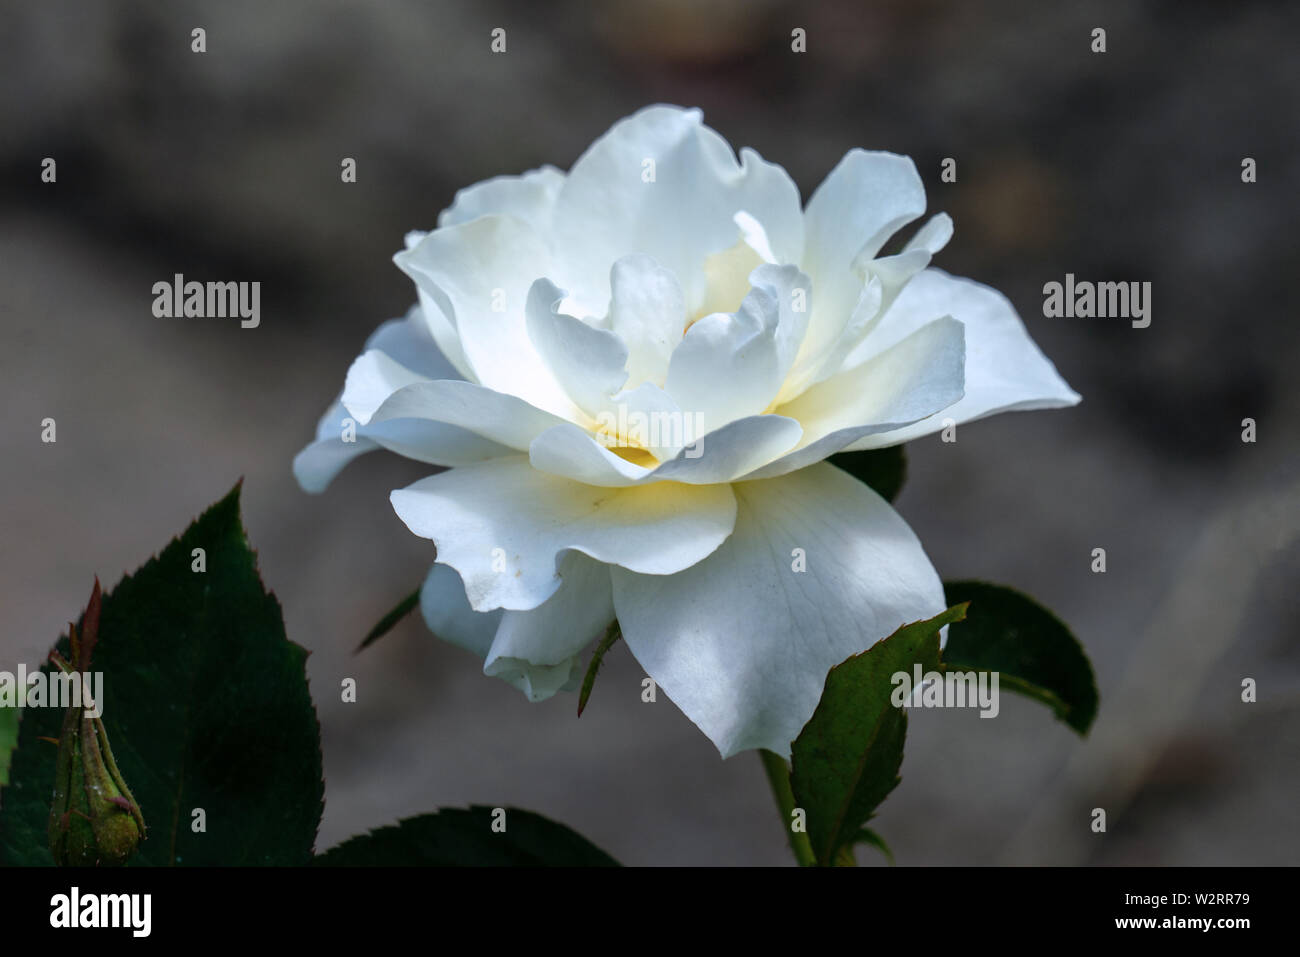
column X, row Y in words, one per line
column 1121, row 166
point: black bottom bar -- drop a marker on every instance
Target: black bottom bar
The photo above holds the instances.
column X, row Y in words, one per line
column 571, row 907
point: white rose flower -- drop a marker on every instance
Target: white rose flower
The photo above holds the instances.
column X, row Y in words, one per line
column 634, row 372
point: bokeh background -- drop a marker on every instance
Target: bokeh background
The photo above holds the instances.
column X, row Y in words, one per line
column 1116, row 166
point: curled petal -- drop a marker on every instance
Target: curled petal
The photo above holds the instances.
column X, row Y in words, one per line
column 1005, row 371
column 662, row 183
column 503, row 525
column 742, row 641
column 907, row 383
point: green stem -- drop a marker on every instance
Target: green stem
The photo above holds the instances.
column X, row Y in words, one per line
column 778, row 776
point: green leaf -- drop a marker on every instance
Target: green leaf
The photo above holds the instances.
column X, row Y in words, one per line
column 8, row 740
column 846, row 758
column 868, row 836
column 457, row 837
column 883, row 469
column 385, row 625
column 1032, row 651
column 207, row 706
column 612, row 634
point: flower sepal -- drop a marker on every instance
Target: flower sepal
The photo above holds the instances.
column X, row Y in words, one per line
column 94, row 820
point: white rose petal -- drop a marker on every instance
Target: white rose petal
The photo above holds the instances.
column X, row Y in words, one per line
column 634, row 371
column 479, row 273
column 1005, row 370
column 607, row 209
column 529, row 198
column 492, row 635
column 741, row 642
column 405, row 341
column 506, row 513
